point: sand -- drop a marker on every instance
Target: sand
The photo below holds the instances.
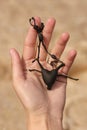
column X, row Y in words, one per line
column 71, row 16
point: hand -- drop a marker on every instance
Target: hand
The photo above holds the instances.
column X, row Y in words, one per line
column 29, row 85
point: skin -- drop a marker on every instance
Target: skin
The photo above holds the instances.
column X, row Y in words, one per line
column 44, row 108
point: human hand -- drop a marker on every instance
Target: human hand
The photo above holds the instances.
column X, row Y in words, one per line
column 29, row 85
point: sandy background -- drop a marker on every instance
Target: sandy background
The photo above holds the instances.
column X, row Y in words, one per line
column 71, row 16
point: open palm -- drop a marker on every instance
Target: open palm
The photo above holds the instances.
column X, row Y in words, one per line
column 29, row 85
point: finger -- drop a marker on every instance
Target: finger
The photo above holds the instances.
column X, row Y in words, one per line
column 29, row 45
column 69, row 61
column 17, row 70
column 47, row 33
column 60, row 45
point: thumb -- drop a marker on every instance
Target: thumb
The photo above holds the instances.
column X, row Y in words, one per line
column 17, row 70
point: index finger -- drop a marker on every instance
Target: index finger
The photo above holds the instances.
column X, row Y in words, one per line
column 29, row 45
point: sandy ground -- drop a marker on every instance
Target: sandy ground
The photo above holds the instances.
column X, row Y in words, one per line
column 71, row 16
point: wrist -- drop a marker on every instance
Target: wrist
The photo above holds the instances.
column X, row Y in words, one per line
column 38, row 123
column 44, row 122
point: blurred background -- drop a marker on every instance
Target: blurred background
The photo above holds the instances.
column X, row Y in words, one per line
column 71, row 16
